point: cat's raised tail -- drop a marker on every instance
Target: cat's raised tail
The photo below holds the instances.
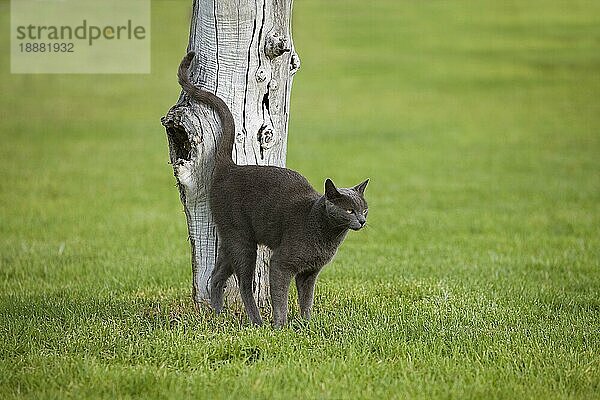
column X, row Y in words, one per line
column 225, row 146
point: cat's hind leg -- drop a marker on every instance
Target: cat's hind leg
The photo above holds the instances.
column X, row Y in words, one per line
column 244, row 264
column 279, row 283
column 223, row 270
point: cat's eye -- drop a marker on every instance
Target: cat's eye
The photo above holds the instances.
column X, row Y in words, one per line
column 365, row 211
column 349, row 211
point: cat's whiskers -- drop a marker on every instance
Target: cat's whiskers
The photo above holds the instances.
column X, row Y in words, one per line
column 369, row 225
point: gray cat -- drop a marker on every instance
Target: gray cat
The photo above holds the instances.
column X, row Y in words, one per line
column 276, row 207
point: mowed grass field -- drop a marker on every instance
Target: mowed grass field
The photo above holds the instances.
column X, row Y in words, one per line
column 478, row 123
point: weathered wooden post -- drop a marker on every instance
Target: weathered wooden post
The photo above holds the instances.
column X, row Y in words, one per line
column 245, row 55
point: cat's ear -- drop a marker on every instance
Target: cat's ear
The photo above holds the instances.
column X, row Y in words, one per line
column 360, row 188
column 331, row 191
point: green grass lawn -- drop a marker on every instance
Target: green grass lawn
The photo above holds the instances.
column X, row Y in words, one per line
column 479, row 276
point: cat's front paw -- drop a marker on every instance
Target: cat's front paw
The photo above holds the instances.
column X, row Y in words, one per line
column 279, row 323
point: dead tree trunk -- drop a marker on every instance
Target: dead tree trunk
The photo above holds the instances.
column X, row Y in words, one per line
column 245, row 55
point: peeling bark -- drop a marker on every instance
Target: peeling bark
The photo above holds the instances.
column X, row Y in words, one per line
column 245, row 55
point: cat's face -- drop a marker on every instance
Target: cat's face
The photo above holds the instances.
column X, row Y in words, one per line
column 346, row 208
